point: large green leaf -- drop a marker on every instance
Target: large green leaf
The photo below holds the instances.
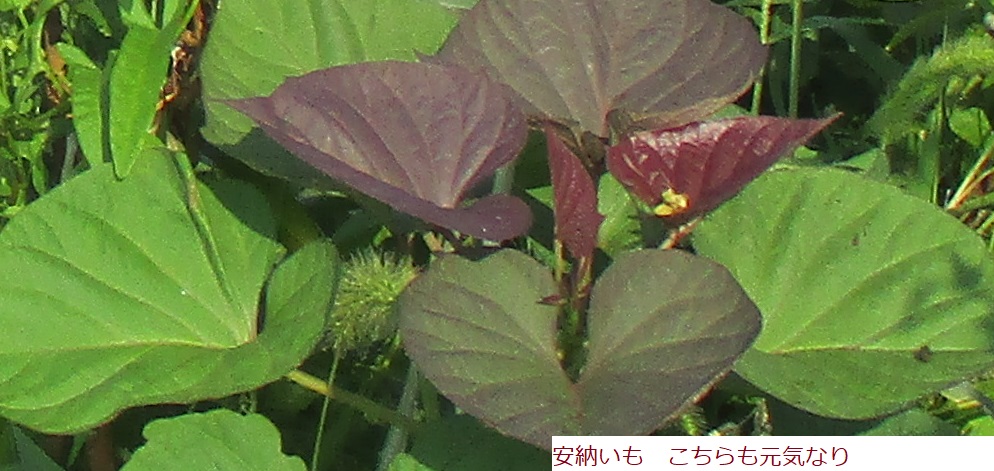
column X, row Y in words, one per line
column 441, row 444
column 256, row 44
column 913, row 422
column 20, row 453
column 121, row 293
column 662, row 326
column 871, row 298
column 223, row 440
column 115, row 105
column 136, row 78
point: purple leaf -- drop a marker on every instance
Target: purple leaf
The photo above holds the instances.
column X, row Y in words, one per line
column 663, row 326
column 577, row 219
column 480, row 333
column 690, row 170
column 664, row 62
column 415, row 136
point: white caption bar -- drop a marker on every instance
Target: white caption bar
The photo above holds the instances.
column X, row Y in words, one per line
column 843, row 453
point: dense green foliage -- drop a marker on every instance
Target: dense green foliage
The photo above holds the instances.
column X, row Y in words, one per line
column 212, row 256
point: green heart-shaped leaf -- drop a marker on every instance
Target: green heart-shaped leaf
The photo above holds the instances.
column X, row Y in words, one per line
column 143, row 291
column 438, row 443
column 871, row 298
column 224, row 439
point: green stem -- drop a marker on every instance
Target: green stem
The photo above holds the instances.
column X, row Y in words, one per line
column 503, row 179
column 985, row 226
column 319, row 436
column 975, row 203
column 396, row 440
column 429, row 401
column 68, row 158
column 764, row 38
column 368, row 407
column 973, row 178
column 795, row 57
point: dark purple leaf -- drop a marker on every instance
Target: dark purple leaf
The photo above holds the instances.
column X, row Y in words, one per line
column 667, row 62
column 575, row 201
column 688, row 171
column 482, row 334
column 415, row 136
column 663, row 325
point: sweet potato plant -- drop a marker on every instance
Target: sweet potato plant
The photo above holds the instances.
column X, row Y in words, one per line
column 344, row 234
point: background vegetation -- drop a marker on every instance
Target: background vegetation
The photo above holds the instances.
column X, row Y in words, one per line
column 87, row 83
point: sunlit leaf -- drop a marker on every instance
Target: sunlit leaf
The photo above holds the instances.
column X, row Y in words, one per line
column 224, row 440
column 577, row 219
column 415, row 136
column 666, row 62
column 147, row 290
column 257, row 44
column 871, row 298
column 135, row 81
column 687, row 171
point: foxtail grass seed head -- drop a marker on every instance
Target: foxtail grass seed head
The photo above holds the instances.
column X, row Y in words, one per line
column 364, row 312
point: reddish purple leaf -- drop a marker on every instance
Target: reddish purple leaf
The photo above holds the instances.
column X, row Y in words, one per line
column 577, row 219
column 688, row 171
column 415, row 136
column 666, row 62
